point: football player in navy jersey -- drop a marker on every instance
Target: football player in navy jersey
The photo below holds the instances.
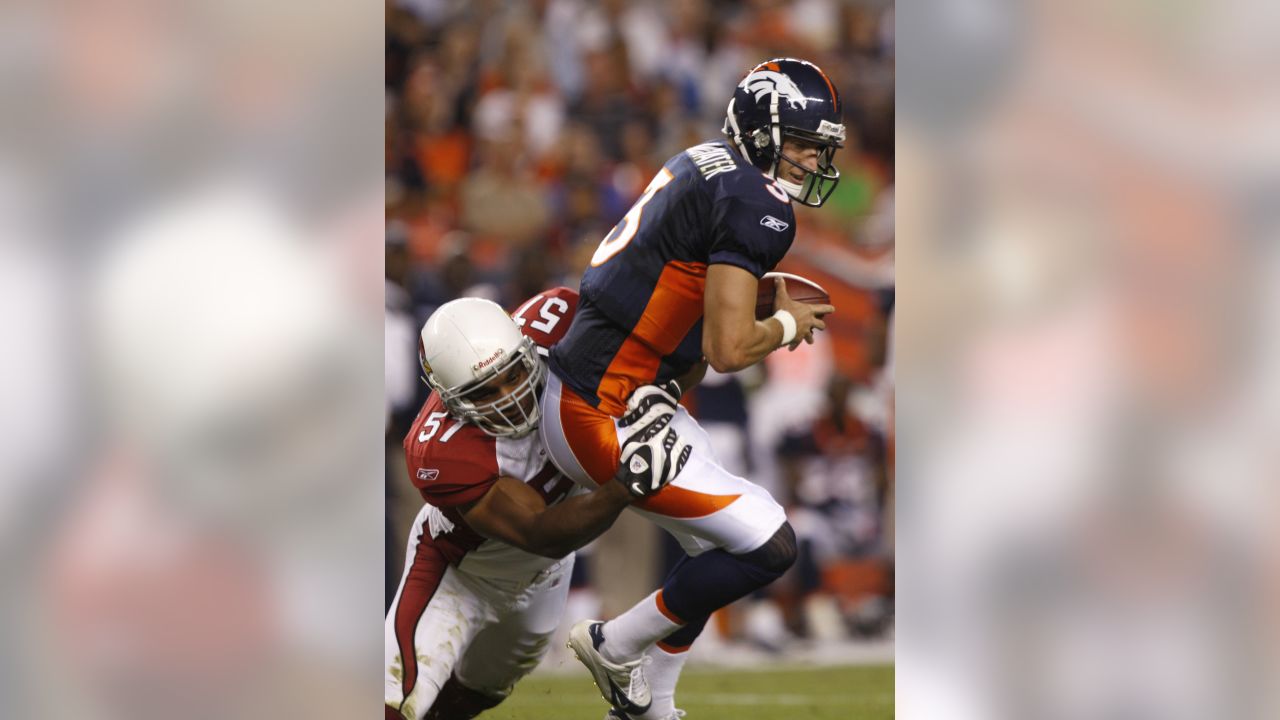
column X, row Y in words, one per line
column 674, row 285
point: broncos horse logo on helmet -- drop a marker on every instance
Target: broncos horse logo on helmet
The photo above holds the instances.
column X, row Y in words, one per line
column 788, row 98
column 763, row 82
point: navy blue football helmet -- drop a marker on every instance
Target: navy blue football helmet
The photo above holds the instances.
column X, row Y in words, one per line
column 788, row 98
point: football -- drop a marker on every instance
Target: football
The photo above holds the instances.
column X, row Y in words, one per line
column 798, row 288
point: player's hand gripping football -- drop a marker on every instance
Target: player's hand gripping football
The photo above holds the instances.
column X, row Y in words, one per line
column 808, row 317
column 653, row 452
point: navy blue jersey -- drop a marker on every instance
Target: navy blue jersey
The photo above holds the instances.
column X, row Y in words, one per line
column 639, row 318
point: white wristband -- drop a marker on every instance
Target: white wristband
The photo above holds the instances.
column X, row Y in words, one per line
column 788, row 322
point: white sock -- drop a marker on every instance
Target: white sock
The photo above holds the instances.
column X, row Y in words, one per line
column 627, row 636
column 663, row 673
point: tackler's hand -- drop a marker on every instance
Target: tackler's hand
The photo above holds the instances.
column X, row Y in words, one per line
column 650, row 461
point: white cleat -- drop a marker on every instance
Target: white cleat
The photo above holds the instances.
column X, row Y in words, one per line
column 622, row 685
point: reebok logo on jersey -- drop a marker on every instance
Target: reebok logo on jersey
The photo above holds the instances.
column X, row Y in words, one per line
column 428, row 474
column 773, row 223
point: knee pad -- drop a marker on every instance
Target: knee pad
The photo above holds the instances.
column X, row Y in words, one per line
column 777, row 553
column 459, row 702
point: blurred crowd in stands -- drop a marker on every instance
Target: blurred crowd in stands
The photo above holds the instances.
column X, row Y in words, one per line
column 518, row 133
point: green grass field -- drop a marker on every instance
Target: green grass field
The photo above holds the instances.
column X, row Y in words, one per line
column 843, row 693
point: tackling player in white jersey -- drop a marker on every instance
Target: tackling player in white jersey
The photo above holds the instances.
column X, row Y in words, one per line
column 489, row 555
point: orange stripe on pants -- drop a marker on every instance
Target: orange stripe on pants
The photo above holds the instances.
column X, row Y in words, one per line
column 593, row 440
column 591, row 436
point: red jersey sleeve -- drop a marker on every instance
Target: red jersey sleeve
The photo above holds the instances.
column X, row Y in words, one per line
column 545, row 317
column 450, row 462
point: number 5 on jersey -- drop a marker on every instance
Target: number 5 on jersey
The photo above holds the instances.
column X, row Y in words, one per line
column 626, row 229
column 552, row 311
column 432, row 426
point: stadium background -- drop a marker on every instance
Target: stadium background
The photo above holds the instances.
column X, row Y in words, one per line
column 517, row 134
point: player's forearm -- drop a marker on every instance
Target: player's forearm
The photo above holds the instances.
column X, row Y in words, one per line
column 730, row 352
column 732, row 339
column 567, row 526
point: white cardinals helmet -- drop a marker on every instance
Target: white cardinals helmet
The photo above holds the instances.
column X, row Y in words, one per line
column 484, row 369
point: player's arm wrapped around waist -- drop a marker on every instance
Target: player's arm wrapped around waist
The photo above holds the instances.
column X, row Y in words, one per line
column 652, row 455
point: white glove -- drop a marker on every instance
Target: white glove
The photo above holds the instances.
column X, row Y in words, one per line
column 648, row 464
column 653, row 453
column 650, row 406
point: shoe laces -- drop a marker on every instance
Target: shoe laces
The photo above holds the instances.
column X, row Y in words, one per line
column 637, row 672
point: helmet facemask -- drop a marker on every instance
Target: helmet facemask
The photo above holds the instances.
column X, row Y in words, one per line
column 818, row 184
column 514, row 413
